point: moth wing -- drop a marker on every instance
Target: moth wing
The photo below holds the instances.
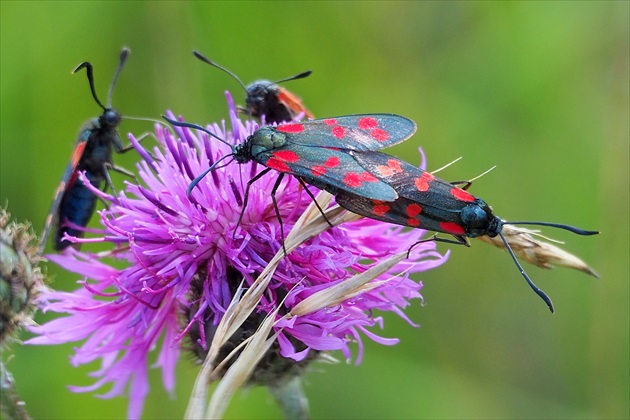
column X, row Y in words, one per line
column 68, row 177
column 293, row 102
column 410, row 182
column 351, row 132
column 330, row 169
column 402, row 211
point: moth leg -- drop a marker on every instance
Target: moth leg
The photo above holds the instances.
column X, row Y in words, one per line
column 121, row 150
column 467, row 184
column 275, row 206
column 310, row 194
column 246, row 196
column 108, row 179
column 459, row 240
column 120, row 170
column 124, row 149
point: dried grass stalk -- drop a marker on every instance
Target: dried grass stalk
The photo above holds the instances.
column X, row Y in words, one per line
column 535, row 251
column 310, row 224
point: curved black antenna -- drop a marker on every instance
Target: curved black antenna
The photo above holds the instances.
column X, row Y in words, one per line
column 212, row 167
column 90, row 75
column 212, row 63
column 196, row 181
column 573, row 229
column 123, row 58
column 196, row 127
column 535, row 288
column 296, row 77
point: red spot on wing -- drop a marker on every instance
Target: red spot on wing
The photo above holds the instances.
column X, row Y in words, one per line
column 320, row 170
column 380, row 135
column 332, row 162
column 280, row 158
column 353, row 179
column 367, row 123
column 413, row 210
column 73, row 178
column 78, row 153
column 290, row 128
column 61, row 188
column 413, row 222
column 422, row 183
column 330, row 121
column 286, row 155
column 393, row 167
column 453, row 228
column 380, row 209
column 368, row 177
column 278, row 165
column 339, row 132
column 462, row 195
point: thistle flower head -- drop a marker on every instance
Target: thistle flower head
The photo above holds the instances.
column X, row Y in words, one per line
column 187, row 259
column 21, row 280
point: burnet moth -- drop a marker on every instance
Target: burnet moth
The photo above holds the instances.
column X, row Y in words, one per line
column 266, row 98
column 340, row 155
column 319, row 152
column 73, row 203
column 428, row 202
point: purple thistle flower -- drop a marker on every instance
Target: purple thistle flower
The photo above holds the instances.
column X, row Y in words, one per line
column 186, row 258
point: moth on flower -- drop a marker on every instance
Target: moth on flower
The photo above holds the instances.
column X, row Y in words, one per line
column 187, row 258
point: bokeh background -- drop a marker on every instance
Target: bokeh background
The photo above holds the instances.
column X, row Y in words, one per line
column 539, row 89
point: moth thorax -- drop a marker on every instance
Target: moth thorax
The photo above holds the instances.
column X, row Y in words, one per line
column 478, row 219
column 266, row 139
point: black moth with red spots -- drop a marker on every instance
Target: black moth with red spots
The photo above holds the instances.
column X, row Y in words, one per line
column 322, row 152
column 319, row 152
column 73, row 203
column 340, row 155
column 428, row 202
column 267, row 98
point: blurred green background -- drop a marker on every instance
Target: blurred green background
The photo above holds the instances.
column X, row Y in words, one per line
column 538, row 88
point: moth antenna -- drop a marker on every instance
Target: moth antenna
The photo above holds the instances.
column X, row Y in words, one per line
column 123, row 58
column 535, row 288
column 573, row 229
column 296, row 77
column 196, row 127
column 90, row 75
column 155, row 120
column 213, row 64
column 196, row 181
